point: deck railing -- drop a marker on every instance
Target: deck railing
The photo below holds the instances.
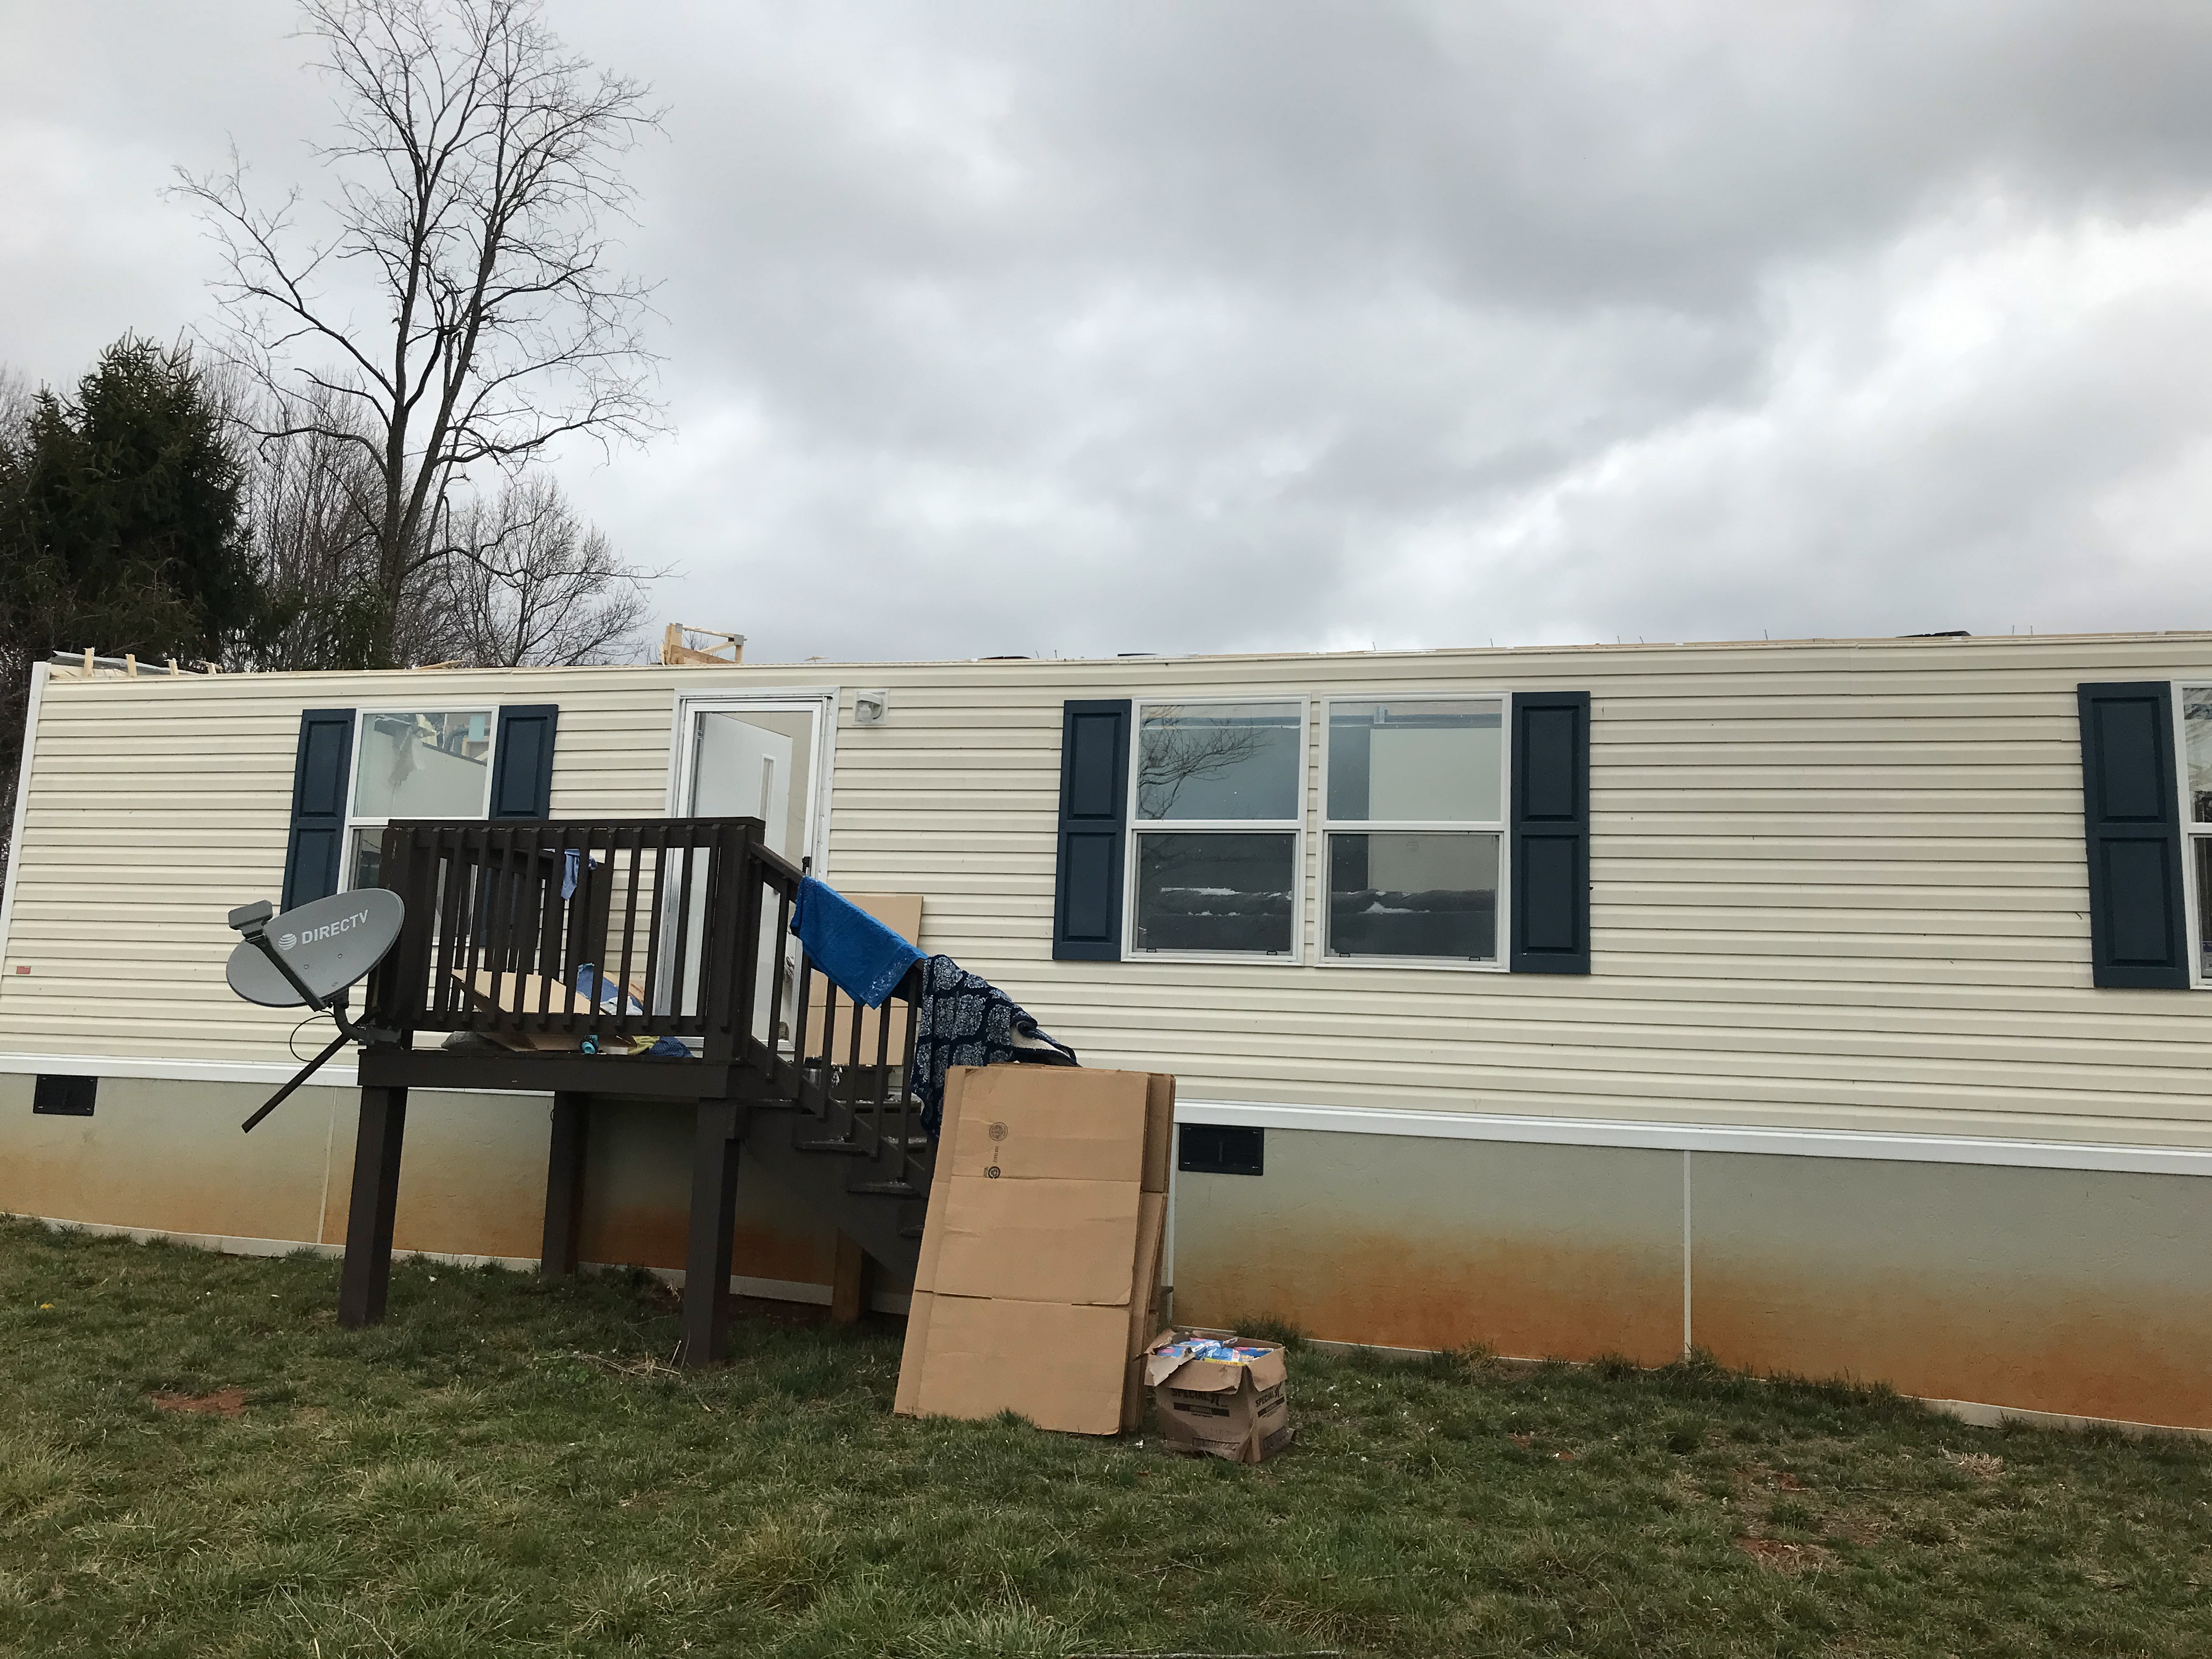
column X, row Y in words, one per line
column 547, row 933
column 602, row 936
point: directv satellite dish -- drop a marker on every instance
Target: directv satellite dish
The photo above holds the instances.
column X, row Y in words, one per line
column 308, row 956
column 327, row 945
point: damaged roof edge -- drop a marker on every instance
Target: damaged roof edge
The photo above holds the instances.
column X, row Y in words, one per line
column 1948, row 640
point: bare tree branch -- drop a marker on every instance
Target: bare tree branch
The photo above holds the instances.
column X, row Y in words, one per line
column 1179, row 747
column 474, row 170
column 527, row 582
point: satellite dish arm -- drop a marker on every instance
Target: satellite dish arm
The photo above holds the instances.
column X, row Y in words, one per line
column 253, row 921
column 305, row 1072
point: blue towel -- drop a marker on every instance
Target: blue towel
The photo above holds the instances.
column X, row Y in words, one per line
column 863, row 958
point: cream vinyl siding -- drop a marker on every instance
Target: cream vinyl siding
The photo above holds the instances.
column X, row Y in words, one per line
column 1835, row 884
column 155, row 805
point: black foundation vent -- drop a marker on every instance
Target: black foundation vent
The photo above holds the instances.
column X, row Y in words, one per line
column 1221, row 1148
column 64, row 1096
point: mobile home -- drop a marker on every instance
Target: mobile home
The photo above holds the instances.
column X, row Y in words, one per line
column 1830, row 1007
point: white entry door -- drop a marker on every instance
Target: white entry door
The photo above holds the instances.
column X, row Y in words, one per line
column 741, row 770
column 758, row 761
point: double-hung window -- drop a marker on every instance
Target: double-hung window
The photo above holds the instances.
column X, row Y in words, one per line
column 1216, row 814
column 414, row 765
column 2197, row 812
column 1414, row 825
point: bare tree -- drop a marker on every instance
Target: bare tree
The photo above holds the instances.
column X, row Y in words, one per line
column 310, row 521
column 534, row 584
column 474, row 172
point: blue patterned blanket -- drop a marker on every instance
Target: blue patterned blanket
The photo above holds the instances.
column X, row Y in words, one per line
column 965, row 1020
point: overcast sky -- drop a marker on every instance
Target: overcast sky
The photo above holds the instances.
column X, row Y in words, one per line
column 1047, row 327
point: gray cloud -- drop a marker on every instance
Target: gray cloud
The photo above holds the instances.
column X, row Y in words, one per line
column 1006, row 327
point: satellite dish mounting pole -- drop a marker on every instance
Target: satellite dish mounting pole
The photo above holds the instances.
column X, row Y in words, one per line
column 252, row 921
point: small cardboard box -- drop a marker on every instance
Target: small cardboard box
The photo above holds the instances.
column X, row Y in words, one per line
column 1238, row 1412
column 1039, row 1268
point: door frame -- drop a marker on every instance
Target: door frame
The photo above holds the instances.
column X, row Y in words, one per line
column 821, row 701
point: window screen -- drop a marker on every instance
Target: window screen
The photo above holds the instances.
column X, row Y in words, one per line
column 1224, row 878
column 415, row 765
column 1414, row 817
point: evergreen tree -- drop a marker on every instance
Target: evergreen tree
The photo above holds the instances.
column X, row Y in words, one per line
column 120, row 519
column 121, row 526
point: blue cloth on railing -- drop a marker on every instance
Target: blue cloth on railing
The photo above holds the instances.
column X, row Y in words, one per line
column 963, row 1019
column 613, row 1000
column 863, row 958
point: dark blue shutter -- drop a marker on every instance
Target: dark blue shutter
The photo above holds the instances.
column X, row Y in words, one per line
column 2138, row 938
column 322, row 773
column 1550, row 854
column 1094, row 799
column 522, row 761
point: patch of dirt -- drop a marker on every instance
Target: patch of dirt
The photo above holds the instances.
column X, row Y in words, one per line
column 1982, row 1465
column 221, row 1402
column 1778, row 1556
column 1853, row 1527
column 771, row 1312
column 1760, row 1487
column 1753, row 1477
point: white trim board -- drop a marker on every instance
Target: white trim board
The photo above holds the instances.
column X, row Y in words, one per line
column 1879, row 1147
column 336, row 1075
column 21, row 804
column 2119, row 1156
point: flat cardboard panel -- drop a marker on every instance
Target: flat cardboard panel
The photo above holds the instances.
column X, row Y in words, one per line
column 1022, row 1272
column 1144, row 1286
column 1058, row 1241
column 940, row 1185
column 914, row 1358
column 1045, row 1122
column 901, row 914
column 1160, row 1131
column 1059, row 1365
column 512, row 992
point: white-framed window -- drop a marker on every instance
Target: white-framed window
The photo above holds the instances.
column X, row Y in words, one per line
column 1217, row 829
column 2194, row 719
column 409, row 763
column 1413, row 844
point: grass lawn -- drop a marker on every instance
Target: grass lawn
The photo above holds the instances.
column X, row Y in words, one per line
column 506, row 1469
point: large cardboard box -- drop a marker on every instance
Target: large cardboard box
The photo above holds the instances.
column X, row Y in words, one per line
column 1236, row 1411
column 1040, row 1270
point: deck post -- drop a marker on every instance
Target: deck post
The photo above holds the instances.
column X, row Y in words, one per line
column 714, row 1220
column 367, row 1272
column 848, row 1290
column 564, row 1183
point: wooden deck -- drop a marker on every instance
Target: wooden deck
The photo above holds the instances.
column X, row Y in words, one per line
column 559, row 947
